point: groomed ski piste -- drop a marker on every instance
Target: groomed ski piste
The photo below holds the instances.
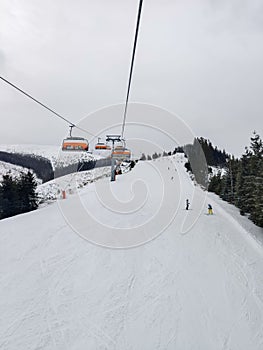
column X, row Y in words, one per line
column 198, row 284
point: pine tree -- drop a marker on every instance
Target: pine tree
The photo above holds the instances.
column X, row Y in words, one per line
column 27, row 192
column 249, row 181
column 143, row 157
column 254, row 179
column 242, row 184
column 229, row 179
column 9, row 197
column 17, row 195
column 215, row 184
column 256, row 145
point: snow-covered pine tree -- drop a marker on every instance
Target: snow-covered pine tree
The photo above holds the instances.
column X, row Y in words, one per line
column 9, row 197
column 27, row 192
column 17, row 195
column 249, row 194
column 242, row 184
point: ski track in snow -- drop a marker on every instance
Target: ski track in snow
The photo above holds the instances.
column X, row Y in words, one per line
column 199, row 290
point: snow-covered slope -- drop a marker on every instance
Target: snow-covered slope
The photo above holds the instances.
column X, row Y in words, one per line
column 52, row 190
column 198, row 285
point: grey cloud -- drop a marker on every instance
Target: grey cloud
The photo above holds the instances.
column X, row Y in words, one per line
column 199, row 59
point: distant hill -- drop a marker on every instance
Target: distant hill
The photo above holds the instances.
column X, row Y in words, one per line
column 49, row 161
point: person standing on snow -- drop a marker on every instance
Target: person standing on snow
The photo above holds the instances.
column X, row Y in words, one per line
column 210, row 209
column 187, row 204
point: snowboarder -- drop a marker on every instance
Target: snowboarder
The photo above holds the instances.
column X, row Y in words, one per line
column 210, row 209
column 187, row 204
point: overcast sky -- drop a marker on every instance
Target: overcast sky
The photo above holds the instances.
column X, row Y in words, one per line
column 199, row 59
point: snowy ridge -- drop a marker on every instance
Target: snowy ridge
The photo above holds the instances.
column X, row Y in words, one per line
column 57, row 157
column 201, row 289
column 14, row 171
column 46, row 151
column 67, row 158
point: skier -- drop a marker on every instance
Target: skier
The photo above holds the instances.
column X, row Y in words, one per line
column 187, row 204
column 210, row 209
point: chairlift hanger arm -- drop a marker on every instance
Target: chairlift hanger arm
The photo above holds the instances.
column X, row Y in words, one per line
column 113, row 138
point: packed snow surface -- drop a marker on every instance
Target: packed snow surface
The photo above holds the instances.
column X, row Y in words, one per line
column 197, row 285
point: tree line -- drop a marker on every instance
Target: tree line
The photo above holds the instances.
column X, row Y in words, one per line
column 41, row 166
column 156, row 155
column 241, row 181
column 213, row 155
